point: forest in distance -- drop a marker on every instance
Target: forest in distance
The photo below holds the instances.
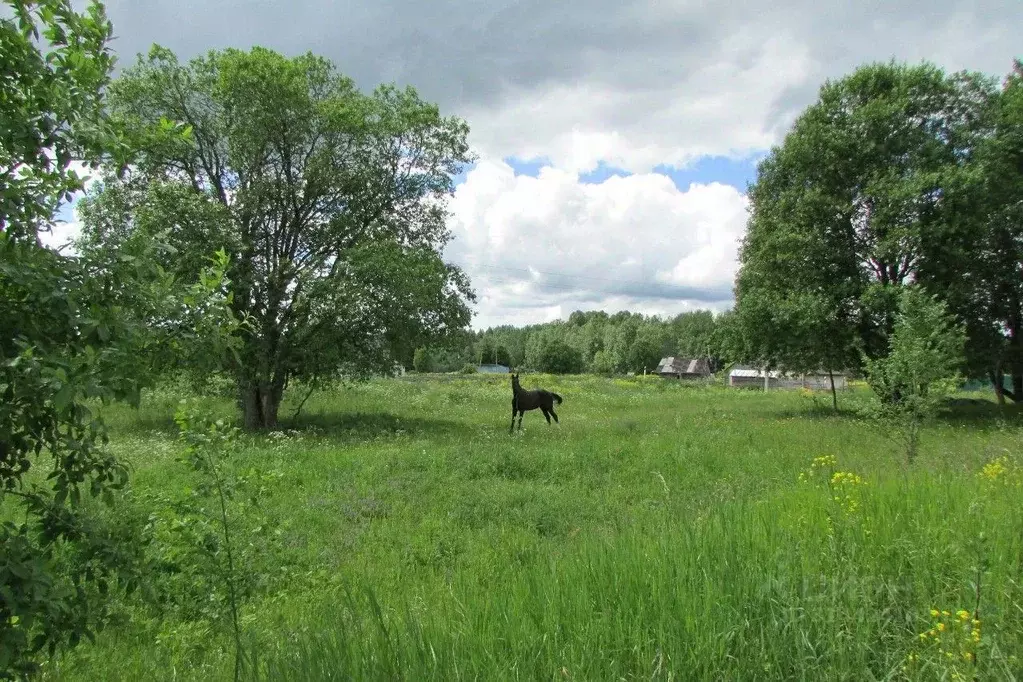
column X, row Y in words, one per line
column 592, row 341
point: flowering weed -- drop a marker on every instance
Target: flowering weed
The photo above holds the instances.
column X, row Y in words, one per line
column 950, row 644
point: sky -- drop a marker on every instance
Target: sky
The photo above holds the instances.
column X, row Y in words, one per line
column 615, row 139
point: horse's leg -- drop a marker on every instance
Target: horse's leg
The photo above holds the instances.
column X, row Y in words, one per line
column 555, row 415
column 514, row 410
column 546, row 415
column 522, row 413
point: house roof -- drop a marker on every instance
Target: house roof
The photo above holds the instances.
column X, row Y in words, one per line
column 746, row 371
column 677, row 365
column 492, row 369
column 749, row 372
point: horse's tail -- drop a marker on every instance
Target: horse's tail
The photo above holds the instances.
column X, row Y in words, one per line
column 556, row 397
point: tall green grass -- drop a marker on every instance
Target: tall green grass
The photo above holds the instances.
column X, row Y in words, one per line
column 659, row 532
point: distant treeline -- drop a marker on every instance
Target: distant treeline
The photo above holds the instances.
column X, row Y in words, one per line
column 587, row 342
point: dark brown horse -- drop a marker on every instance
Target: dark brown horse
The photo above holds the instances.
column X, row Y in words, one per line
column 523, row 400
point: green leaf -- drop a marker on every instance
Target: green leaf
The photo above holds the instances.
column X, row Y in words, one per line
column 63, row 397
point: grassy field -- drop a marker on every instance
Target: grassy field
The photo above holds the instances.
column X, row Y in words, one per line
column 397, row 531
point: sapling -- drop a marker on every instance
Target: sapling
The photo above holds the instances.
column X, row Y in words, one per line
column 921, row 368
column 206, row 442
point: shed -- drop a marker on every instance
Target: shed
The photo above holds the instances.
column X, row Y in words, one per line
column 820, row 381
column 751, row 377
column 684, row 368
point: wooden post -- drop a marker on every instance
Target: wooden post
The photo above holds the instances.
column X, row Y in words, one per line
column 766, row 380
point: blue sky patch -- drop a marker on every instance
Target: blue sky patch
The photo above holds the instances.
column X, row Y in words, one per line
column 594, row 177
column 460, row 178
column 735, row 172
column 602, row 173
column 530, row 168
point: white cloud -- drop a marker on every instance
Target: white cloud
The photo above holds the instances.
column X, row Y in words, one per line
column 60, row 235
column 539, row 248
column 67, row 225
column 720, row 108
column 638, row 109
column 631, row 83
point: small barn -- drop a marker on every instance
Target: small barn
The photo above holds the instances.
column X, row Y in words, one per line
column 684, row 368
column 493, row 369
column 820, row 381
column 751, row 377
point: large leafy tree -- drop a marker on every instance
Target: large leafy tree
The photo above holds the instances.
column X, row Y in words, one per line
column 698, row 335
column 694, row 333
column 996, row 257
column 865, row 195
column 329, row 201
column 75, row 332
column 648, row 347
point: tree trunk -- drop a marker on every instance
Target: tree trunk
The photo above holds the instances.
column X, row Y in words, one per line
column 997, row 382
column 252, row 412
column 997, row 377
column 260, row 403
column 1015, row 359
column 834, row 393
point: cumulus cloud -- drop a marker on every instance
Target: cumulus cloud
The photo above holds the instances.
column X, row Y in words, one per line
column 67, row 226
column 718, row 109
column 542, row 247
column 61, row 233
column 669, row 104
column 632, row 84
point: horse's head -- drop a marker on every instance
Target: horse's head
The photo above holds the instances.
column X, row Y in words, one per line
column 515, row 379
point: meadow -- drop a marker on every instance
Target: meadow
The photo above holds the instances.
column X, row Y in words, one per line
column 395, row 530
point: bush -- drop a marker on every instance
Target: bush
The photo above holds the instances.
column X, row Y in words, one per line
column 557, row 357
column 603, row 363
column 468, row 368
column 421, row 360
